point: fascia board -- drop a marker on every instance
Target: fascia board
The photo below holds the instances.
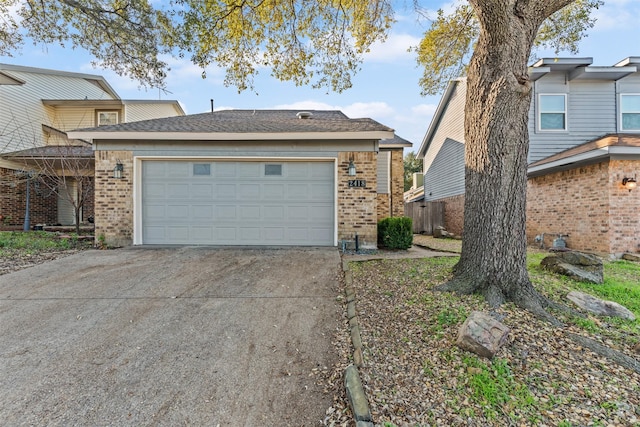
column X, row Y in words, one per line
column 437, row 117
column 582, row 157
column 219, row 136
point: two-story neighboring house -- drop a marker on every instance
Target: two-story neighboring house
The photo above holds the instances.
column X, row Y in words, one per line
column 584, row 155
column 37, row 108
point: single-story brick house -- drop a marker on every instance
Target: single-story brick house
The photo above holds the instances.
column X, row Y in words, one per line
column 246, row 177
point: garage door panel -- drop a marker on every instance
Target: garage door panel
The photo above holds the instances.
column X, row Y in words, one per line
column 225, row 170
column 248, row 235
column 249, row 212
column 226, row 191
column 202, row 213
column 177, row 191
column 177, row 233
column 226, row 234
column 204, row 191
column 154, row 190
column 319, row 213
column 274, row 213
column 273, row 191
column 177, row 212
column 248, row 170
column 201, row 234
column 235, row 203
column 154, row 169
column 179, row 170
column 320, row 192
column 274, row 234
column 226, row 212
column 248, row 191
column 154, row 211
column 297, row 192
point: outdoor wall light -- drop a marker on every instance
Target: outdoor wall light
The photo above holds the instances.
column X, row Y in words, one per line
column 352, row 168
column 629, row 183
column 117, row 171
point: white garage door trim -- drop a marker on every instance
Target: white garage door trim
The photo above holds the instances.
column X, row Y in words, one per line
column 137, row 187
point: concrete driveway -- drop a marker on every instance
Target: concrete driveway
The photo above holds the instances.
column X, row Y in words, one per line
column 169, row 336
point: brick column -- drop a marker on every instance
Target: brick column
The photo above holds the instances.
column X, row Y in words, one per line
column 114, row 199
column 357, row 207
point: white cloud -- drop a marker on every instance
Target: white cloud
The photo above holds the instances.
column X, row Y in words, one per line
column 410, row 123
column 375, row 110
column 394, row 49
column 617, row 15
column 424, row 110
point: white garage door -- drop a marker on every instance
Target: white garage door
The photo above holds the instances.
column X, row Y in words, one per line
column 238, row 203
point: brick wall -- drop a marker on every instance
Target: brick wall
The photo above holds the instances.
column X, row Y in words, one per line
column 392, row 204
column 397, row 183
column 88, row 207
column 114, row 198
column 357, row 207
column 624, row 207
column 574, row 202
column 384, row 200
column 43, row 203
column 454, row 214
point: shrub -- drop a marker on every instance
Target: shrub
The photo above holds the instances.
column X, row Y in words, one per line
column 395, row 233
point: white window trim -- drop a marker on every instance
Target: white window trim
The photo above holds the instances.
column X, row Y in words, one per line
column 620, row 127
column 117, row 113
column 539, row 113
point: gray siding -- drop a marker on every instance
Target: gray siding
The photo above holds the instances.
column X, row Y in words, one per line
column 384, row 162
column 591, row 113
column 445, row 177
column 451, row 125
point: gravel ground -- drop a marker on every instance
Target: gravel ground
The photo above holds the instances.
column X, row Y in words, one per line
column 414, row 375
column 19, row 260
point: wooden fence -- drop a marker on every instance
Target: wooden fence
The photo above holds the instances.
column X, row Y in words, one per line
column 426, row 216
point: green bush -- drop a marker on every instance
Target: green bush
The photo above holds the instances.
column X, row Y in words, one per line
column 395, row 233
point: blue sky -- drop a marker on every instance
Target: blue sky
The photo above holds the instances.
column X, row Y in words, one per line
column 386, row 89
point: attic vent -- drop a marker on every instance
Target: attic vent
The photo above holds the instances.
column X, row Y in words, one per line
column 304, row 115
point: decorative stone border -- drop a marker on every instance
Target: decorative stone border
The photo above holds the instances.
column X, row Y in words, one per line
column 355, row 392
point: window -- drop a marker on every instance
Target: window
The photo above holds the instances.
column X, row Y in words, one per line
column 553, row 112
column 201, row 169
column 630, row 112
column 107, row 118
column 273, row 170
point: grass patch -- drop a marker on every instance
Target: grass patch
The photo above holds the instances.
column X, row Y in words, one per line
column 495, row 389
column 33, row 242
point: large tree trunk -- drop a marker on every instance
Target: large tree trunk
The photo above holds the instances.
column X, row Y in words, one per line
column 493, row 259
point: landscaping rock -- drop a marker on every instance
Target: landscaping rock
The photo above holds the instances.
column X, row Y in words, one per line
column 440, row 232
column 577, row 265
column 599, row 307
column 482, row 334
column 355, row 395
column 631, row 257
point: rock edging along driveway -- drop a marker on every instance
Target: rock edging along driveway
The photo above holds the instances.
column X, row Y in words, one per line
column 355, row 392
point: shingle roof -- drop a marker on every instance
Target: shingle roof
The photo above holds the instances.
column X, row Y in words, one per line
column 52, row 151
column 249, row 121
column 396, row 141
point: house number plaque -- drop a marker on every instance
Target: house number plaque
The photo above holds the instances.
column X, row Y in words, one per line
column 357, row 183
